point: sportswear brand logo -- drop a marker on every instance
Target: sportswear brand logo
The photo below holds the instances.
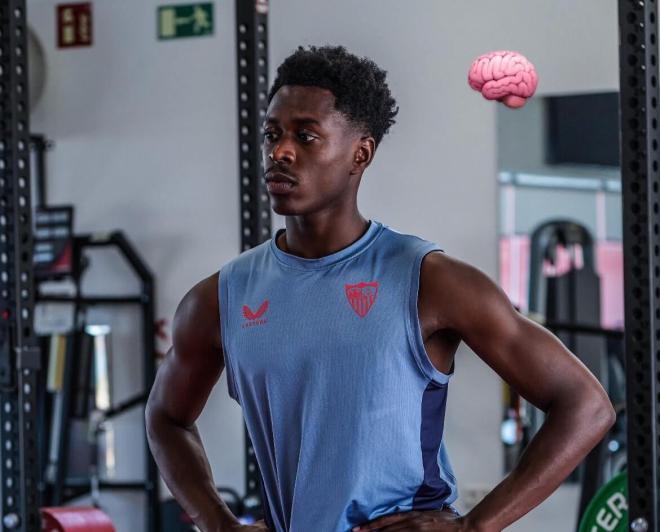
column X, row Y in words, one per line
column 362, row 296
column 253, row 317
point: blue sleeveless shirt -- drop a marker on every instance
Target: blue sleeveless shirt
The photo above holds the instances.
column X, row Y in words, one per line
column 326, row 358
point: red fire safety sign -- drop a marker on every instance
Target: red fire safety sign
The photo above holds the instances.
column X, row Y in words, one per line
column 74, row 25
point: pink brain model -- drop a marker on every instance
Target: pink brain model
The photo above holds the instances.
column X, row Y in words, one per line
column 505, row 76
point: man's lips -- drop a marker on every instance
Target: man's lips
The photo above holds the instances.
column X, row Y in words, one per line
column 275, row 176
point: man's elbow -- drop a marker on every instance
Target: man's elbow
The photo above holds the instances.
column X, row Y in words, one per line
column 153, row 420
column 159, row 423
column 149, row 420
column 602, row 415
column 611, row 415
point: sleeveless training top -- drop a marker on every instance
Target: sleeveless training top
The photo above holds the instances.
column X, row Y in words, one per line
column 326, row 358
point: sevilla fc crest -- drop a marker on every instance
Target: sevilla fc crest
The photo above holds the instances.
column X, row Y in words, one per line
column 362, row 296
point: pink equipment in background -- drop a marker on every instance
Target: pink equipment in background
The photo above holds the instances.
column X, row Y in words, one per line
column 69, row 519
column 505, row 76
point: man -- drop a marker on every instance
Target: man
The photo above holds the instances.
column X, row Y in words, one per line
column 339, row 335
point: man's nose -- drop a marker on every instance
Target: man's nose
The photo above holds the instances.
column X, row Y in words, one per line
column 283, row 152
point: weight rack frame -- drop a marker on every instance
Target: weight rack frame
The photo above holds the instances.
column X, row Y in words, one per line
column 255, row 216
column 63, row 488
column 19, row 356
column 638, row 100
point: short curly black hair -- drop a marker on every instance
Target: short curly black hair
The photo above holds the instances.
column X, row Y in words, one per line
column 357, row 83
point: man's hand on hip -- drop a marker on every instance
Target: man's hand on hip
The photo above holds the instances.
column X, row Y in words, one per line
column 431, row 520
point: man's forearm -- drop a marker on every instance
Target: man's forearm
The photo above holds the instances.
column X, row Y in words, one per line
column 183, row 464
column 570, row 431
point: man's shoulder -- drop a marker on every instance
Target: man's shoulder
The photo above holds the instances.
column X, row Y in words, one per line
column 401, row 241
column 458, row 290
column 442, row 269
column 199, row 308
column 201, row 299
column 248, row 256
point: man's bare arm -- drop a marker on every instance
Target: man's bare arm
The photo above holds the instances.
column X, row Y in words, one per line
column 539, row 367
column 183, row 383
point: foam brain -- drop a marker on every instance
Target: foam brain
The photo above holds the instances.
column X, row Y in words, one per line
column 505, row 76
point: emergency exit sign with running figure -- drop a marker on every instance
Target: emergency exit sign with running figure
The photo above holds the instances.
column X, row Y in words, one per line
column 191, row 20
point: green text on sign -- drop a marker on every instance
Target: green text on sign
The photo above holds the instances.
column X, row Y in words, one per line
column 190, row 20
column 608, row 510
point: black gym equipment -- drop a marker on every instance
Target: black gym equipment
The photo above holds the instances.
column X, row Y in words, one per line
column 255, row 218
column 640, row 175
column 58, row 485
column 71, row 421
column 568, row 304
column 573, row 297
column 638, row 63
column 19, row 355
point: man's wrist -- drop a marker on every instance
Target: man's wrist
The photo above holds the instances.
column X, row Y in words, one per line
column 227, row 520
column 220, row 520
column 472, row 523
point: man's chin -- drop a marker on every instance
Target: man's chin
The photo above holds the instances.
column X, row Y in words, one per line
column 281, row 208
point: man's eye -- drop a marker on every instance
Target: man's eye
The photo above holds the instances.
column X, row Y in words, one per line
column 269, row 135
column 306, row 137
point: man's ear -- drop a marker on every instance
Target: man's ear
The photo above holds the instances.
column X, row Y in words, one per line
column 363, row 155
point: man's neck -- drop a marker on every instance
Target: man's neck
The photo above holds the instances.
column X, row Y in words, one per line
column 311, row 241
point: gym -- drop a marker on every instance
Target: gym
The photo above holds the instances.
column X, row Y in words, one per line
column 228, row 231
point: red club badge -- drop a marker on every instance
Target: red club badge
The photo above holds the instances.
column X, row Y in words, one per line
column 362, row 296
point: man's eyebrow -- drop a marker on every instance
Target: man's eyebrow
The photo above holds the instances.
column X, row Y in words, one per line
column 306, row 120
column 302, row 120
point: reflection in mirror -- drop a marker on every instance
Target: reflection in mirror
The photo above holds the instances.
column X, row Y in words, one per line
column 561, row 256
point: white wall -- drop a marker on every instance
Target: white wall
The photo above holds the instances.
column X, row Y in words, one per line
column 146, row 142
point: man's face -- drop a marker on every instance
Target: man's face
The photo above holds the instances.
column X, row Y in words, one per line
column 311, row 143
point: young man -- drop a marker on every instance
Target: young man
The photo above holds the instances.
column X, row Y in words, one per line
column 339, row 335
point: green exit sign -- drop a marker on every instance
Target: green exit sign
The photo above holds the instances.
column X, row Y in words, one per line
column 189, row 20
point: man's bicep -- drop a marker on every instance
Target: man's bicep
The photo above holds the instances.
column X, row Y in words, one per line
column 183, row 385
column 527, row 356
column 195, row 361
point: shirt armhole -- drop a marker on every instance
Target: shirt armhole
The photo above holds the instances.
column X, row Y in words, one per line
column 414, row 330
column 223, row 305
